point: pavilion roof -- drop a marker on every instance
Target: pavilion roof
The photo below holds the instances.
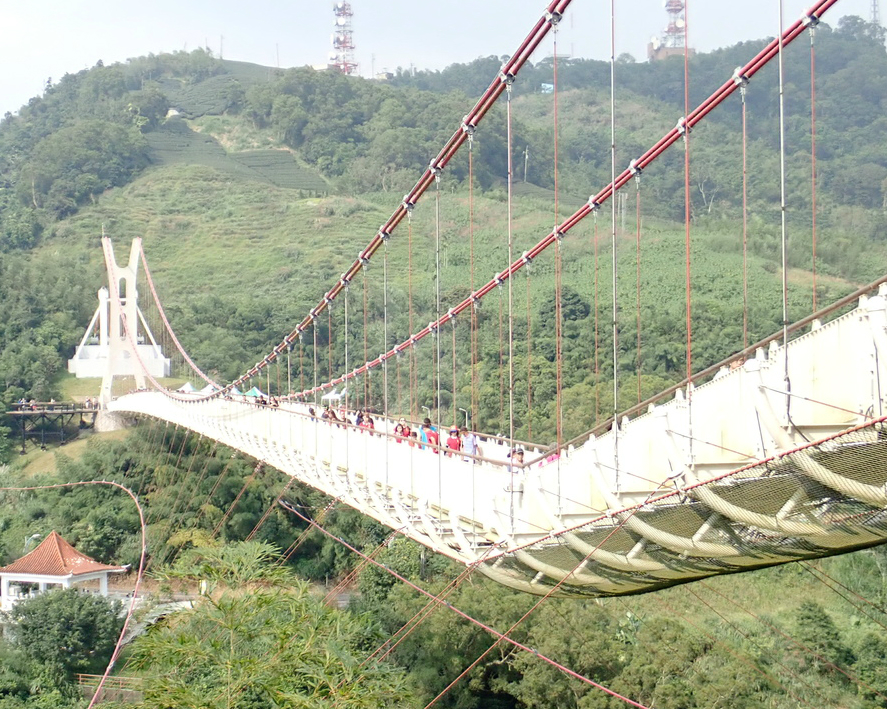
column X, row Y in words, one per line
column 56, row 557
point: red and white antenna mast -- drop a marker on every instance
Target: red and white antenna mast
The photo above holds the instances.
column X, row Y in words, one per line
column 342, row 56
column 674, row 33
column 674, row 37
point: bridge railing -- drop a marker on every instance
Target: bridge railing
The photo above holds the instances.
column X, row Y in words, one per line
column 734, row 360
column 495, row 449
column 53, row 406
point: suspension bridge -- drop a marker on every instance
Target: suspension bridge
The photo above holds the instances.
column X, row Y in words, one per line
column 774, row 455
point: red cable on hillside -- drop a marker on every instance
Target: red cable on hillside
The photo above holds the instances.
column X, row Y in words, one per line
column 294, row 547
column 178, row 459
column 268, row 511
column 815, row 573
column 353, row 574
column 423, row 614
column 166, row 324
column 751, row 640
column 502, row 637
column 250, row 478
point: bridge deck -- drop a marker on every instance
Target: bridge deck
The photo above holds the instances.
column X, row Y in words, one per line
column 720, row 479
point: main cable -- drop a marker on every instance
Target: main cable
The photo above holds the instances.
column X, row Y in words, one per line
column 613, row 244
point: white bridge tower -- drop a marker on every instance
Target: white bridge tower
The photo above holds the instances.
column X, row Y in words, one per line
column 118, row 335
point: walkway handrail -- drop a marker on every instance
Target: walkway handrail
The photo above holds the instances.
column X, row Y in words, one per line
column 54, row 406
column 713, row 369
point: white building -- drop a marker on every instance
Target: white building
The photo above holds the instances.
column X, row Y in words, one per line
column 53, row 563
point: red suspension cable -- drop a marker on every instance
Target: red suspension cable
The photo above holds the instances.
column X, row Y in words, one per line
column 474, row 386
column 687, row 214
column 597, row 341
column 501, row 637
column 329, row 338
column 366, row 346
column 501, row 366
column 455, row 402
column 637, row 181
column 517, row 60
column 410, row 288
column 166, row 324
column 813, row 150
column 742, row 91
column 558, row 267
column 529, row 361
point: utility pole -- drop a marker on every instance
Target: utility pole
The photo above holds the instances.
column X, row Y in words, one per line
column 526, row 161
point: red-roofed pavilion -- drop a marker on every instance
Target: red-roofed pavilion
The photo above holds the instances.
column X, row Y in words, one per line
column 53, row 563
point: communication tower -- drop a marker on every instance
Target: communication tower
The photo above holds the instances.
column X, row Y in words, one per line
column 342, row 56
column 673, row 39
column 876, row 13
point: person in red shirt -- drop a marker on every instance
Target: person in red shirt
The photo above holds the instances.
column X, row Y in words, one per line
column 430, row 434
column 454, row 442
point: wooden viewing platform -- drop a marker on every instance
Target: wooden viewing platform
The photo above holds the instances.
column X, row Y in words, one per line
column 51, row 420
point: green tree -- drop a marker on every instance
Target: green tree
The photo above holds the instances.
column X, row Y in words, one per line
column 871, row 668
column 818, row 631
column 76, row 163
column 260, row 640
column 67, row 631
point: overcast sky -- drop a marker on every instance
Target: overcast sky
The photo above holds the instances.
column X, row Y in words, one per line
column 43, row 39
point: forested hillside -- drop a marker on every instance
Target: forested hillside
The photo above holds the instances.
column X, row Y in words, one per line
column 255, row 188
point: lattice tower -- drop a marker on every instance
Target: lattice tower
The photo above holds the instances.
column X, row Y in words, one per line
column 342, row 56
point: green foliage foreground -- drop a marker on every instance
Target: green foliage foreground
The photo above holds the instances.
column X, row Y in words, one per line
column 56, row 635
column 260, row 640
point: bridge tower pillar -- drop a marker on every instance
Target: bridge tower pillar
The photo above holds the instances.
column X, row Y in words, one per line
column 127, row 354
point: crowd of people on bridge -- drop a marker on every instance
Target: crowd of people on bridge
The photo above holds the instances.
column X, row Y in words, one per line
column 424, row 436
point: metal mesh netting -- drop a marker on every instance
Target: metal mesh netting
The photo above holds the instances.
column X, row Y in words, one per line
column 823, row 499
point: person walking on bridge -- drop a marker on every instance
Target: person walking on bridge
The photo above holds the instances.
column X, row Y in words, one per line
column 428, row 434
column 469, row 443
column 454, row 442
